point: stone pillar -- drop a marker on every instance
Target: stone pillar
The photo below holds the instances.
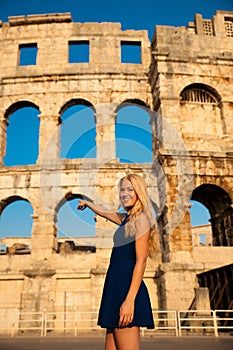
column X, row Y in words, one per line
column 38, row 292
column 219, row 25
column 43, row 241
column 174, row 222
column 176, row 284
column 202, row 299
column 49, row 139
column 3, row 128
column 105, row 133
column 198, row 23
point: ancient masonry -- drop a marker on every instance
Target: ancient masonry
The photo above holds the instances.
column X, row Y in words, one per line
column 185, row 78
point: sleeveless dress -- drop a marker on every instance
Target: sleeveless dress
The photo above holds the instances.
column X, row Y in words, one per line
column 117, row 283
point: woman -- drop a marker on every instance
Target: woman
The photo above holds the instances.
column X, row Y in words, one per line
column 125, row 304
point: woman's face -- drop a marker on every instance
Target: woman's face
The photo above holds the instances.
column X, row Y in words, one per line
column 128, row 196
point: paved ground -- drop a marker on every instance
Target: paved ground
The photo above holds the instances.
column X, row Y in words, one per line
column 97, row 343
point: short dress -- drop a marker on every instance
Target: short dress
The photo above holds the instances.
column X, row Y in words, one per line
column 117, row 283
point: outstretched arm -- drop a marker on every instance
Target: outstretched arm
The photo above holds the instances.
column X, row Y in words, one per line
column 106, row 213
column 141, row 247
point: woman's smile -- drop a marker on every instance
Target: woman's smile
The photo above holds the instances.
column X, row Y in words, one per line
column 128, row 196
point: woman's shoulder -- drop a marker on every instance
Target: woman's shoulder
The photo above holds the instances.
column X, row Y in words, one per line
column 143, row 219
column 143, row 215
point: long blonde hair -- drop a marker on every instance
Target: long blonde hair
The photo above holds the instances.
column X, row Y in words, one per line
column 142, row 204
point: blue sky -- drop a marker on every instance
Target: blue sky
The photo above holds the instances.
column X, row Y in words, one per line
column 132, row 14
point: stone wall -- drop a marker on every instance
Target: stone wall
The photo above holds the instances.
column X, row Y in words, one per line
column 185, row 80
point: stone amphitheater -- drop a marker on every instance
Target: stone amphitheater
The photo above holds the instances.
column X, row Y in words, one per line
column 184, row 81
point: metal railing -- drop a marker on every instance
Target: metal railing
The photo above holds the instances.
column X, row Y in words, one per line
column 195, row 321
column 20, row 322
column 179, row 323
column 165, row 321
column 69, row 322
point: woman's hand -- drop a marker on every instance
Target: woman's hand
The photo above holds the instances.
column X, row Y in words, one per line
column 126, row 313
column 82, row 204
column 99, row 209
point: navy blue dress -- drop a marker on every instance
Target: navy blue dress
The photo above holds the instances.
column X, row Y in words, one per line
column 117, row 283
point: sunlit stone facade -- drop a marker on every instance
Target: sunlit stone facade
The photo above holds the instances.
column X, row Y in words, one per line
column 184, row 81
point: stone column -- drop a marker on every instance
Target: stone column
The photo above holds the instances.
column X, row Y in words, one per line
column 198, row 22
column 49, row 139
column 43, row 241
column 219, row 25
column 202, row 299
column 38, row 292
column 3, row 128
column 105, row 133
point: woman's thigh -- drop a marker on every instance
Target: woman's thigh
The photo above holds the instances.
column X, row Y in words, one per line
column 110, row 340
column 127, row 338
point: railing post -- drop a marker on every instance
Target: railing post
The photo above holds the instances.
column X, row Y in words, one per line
column 75, row 324
column 12, row 329
column 45, row 324
column 179, row 325
column 176, row 323
column 215, row 323
column 42, row 325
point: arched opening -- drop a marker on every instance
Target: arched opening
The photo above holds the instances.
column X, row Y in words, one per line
column 75, row 229
column 22, row 134
column 15, row 225
column 218, row 203
column 200, row 222
column 77, row 130
column 201, row 110
column 218, row 280
column 133, row 133
column 200, row 93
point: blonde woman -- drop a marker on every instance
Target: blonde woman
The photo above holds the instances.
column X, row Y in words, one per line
column 125, row 304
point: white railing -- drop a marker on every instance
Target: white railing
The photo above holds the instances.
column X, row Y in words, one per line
column 196, row 321
column 179, row 322
column 224, row 322
column 69, row 322
column 19, row 322
column 165, row 321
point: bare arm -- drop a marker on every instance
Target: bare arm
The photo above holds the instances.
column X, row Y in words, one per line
column 115, row 217
column 141, row 246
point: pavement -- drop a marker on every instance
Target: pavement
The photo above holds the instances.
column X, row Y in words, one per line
column 97, row 343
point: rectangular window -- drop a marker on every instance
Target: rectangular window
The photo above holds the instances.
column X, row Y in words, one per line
column 202, row 237
column 229, row 26
column 207, row 27
column 131, row 52
column 2, row 248
column 79, row 51
column 27, row 54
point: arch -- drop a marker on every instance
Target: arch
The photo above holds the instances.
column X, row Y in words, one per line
column 69, row 196
column 77, row 130
column 70, row 222
column 200, row 93
column 219, row 204
column 16, row 221
column 76, row 101
column 133, row 132
column 130, row 102
column 202, row 112
column 22, row 134
column 18, row 105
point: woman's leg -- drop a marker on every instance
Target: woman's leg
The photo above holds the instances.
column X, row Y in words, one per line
column 109, row 340
column 127, row 338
